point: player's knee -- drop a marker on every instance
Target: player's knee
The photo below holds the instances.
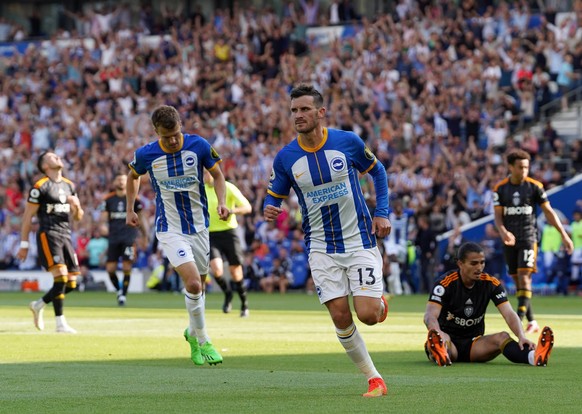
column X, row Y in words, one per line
column 341, row 318
column 501, row 337
column 368, row 316
column 193, row 286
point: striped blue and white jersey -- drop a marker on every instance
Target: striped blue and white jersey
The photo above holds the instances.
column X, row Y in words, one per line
column 177, row 179
column 336, row 218
column 401, row 226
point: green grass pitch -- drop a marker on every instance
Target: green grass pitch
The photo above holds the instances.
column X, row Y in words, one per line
column 284, row 358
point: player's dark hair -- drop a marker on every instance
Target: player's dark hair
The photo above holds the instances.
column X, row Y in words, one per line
column 165, row 116
column 39, row 161
column 303, row 90
column 469, row 247
column 517, row 154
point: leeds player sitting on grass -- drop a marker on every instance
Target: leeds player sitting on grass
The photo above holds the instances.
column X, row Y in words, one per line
column 455, row 318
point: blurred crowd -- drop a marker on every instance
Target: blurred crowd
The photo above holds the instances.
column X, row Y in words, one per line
column 438, row 91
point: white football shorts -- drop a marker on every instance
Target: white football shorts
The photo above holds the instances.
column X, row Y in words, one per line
column 183, row 248
column 339, row 274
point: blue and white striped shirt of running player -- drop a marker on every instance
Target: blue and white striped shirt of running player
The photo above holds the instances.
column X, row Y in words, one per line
column 325, row 179
column 177, row 179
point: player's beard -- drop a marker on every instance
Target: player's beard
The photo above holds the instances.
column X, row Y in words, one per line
column 305, row 128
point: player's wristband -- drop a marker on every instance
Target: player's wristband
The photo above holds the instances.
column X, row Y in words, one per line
column 24, row 244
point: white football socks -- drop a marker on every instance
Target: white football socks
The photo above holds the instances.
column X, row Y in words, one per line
column 356, row 349
column 195, row 307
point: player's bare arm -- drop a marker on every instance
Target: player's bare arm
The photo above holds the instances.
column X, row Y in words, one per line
column 29, row 211
column 507, row 237
column 431, row 316
column 78, row 212
column 271, row 213
column 133, row 181
column 241, row 209
column 381, row 226
column 220, row 190
column 514, row 324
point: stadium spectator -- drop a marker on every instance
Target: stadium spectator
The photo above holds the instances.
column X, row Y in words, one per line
column 463, row 295
column 356, row 260
column 426, row 245
column 9, row 243
column 281, row 275
column 396, row 249
column 97, row 248
column 310, row 10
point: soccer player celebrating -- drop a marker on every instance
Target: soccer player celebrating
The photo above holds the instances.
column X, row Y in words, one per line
column 121, row 236
column 53, row 199
column 455, row 318
column 174, row 163
column 515, row 199
column 322, row 166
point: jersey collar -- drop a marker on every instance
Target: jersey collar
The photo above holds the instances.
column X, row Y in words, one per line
column 313, row 149
column 170, row 151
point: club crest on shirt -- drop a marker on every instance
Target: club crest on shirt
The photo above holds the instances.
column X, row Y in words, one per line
column 468, row 311
column 337, row 164
column 190, row 161
column 516, row 199
column 368, row 153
